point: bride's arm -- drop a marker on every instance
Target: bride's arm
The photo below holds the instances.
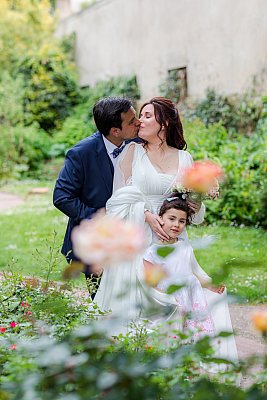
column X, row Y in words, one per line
column 198, row 208
column 123, row 169
column 123, row 177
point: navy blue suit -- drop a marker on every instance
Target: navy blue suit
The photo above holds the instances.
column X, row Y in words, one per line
column 84, row 184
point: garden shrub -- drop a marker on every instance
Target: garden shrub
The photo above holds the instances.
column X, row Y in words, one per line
column 88, row 364
column 235, row 113
column 11, row 99
column 42, row 61
column 51, row 88
column 243, row 160
column 23, row 150
column 24, row 26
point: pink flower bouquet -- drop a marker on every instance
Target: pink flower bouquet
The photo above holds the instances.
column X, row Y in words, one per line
column 200, row 181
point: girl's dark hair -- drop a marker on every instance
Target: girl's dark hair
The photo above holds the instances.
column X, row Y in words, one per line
column 178, row 204
column 167, row 116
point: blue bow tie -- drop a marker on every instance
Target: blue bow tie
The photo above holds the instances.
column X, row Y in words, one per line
column 117, row 151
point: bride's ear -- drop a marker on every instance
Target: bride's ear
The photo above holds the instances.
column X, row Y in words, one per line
column 163, row 127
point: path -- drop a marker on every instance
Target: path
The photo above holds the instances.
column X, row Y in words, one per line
column 8, row 200
column 247, row 339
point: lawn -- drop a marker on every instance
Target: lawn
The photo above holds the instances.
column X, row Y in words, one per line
column 29, row 229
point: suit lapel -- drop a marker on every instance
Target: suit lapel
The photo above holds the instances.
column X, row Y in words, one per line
column 104, row 163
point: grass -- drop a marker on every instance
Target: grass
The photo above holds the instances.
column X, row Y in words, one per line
column 244, row 251
column 29, row 230
column 31, row 227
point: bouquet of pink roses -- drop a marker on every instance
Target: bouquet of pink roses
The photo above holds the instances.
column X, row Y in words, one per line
column 200, row 181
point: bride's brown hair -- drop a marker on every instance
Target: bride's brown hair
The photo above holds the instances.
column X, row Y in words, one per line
column 166, row 114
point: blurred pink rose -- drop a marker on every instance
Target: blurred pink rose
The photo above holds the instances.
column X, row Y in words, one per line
column 202, row 176
column 105, row 240
column 154, row 273
column 259, row 319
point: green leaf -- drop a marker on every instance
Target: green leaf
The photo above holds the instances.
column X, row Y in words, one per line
column 174, row 288
column 165, row 251
column 224, row 334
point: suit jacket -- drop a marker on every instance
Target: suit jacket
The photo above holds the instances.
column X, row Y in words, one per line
column 84, row 184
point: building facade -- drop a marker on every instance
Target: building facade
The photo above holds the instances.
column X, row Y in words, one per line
column 220, row 44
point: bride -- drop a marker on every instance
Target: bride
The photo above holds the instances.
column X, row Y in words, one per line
column 143, row 178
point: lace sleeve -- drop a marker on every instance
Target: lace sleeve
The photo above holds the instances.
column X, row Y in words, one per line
column 198, row 217
column 123, row 169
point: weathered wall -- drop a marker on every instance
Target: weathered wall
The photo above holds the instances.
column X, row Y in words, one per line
column 222, row 43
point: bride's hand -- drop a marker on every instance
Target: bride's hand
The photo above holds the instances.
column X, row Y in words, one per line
column 194, row 205
column 155, row 222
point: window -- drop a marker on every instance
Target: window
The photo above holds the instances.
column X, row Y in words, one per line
column 176, row 84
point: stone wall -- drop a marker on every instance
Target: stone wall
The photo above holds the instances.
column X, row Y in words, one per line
column 222, row 43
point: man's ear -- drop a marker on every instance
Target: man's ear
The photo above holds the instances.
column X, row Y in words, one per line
column 114, row 132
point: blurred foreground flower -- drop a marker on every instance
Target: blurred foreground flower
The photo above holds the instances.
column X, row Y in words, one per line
column 105, row 240
column 153, row 274
column 203, row 177
column 259, row 319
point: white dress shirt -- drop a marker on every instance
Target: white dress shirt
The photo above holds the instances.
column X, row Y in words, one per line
column 110, row 147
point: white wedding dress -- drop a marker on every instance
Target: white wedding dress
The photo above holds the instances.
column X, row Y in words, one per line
column 139, row 186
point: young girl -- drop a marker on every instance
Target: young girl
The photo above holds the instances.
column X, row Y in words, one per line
column 193, row 300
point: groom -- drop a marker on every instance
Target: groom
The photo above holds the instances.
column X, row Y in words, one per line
column 85, row 183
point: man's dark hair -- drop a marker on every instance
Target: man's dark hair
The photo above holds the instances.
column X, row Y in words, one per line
column 107, row 113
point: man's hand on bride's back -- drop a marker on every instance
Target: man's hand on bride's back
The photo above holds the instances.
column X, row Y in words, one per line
column 155, row 222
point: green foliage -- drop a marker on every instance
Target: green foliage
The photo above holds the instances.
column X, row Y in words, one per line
column 38, row 85
column 263, row 208
column 51, row 89
column 24, row 27
column 170, row 88
column 81, row 124
column 11, row 99
column 244, row 167
column 88, row 364
column 23, row 150
column 25, row 301
column 235, row 113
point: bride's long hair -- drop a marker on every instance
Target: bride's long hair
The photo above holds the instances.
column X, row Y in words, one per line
column 167, row 116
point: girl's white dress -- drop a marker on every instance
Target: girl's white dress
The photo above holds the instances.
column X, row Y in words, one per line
column 182, row 269
column 208, row 311
column 137, row 186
